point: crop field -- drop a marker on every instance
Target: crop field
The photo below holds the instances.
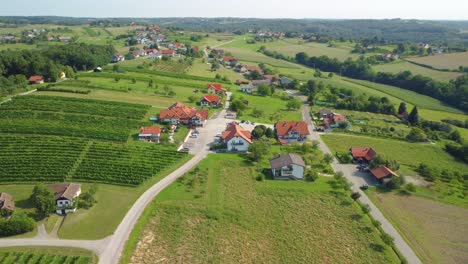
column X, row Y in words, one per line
column 124, row 164
column 437, row 232
column 450, row 61
column 219, row 213
column 415, row 69
column 40, row 255
column 314, row 49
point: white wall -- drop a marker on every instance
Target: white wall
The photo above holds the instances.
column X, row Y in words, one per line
column 243, row 147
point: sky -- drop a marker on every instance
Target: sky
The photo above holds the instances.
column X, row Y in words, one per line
column 341, row 9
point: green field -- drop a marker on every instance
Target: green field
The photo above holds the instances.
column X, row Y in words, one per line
column 291, row 48
column 450, row 61
column 219, row 213
column 39, row 255
column 436, row 232
column 415, row 69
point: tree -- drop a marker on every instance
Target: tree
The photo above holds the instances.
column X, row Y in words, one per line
column 328, row 158
column 166, row 89
column 214, row 66
column 269, row 133
column 192, row 99
column 150, row 84
column 311, row 175
column 413, row 117
column 43, row 200
column 116, row 68
column 257, row 113
column 416, row 135
column 117, row 79
column 402, row 109
column 387, row 239
column 293, row 104
column 455, row 136
column 264, row 90
column 258, row 131
column 355, row 196
column 365, row 208
column 258, row 149
column 133, row 80
column 330, row 75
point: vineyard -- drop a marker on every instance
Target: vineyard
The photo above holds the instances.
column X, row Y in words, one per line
column 124, row 164
column 36, row 158
column 77, row 106
column 38, row 258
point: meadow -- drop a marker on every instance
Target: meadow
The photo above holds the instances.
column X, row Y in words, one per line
column 415, row 69
column 219, row 213
column 437, row 232
column 291, row 48
column 450, row 61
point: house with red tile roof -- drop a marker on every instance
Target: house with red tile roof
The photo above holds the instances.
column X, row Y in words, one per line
column 36, row 79
column 229, row 60
column 291, row 131
column 150, row 134
column 210, row 101
column 215, row 88
column 168, row 52
column 236, row 137
column 383, row 174
column 179, row 113
column 365, row 154
column 331, row 119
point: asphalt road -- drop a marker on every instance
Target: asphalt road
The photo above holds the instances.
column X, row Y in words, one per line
column 357, row 179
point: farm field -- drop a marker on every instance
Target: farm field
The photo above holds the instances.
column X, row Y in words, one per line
column 415, row 69
column 450, row 61
column 313, row 49
column 39, row 255
column 219, row 213
column 436, row 232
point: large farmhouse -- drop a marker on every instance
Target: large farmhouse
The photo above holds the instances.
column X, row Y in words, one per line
column 210, row 101
column 236, row 138
column 287, row 166
column 179, row 113
column 64, row 194
column 291, row 131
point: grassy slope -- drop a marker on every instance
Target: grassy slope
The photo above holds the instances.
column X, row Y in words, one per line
column 291, row 48
column 436, row 232
column 444, row 61
column 415, row 69
column 226, row 216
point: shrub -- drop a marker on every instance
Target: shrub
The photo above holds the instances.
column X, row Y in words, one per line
column 365, row 208
column 19, row 223
column 259, row 178
column 387, row 239
column 311, row 176
column 410, row 187
column 376, row 223
column 355, row 196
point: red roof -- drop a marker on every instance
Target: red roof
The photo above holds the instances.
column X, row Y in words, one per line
column 271, row 76
column 195, row 48
column 339, row 118
column 167, row 52
column 36, row 78
column 150, row 130
column 229, row 58
column 216, row 86
column 363, row 153
column 234, row 130
column 148, row 51
column 254, row 68
column 182, row 112
column 382, row 172
column 284, row 127
column 211, row 98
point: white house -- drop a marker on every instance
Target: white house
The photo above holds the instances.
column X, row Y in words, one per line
column 289, row 132
column 287, row 166
column 154, row 56
column 64, row 194
column 236, row 138
column 150, row 133
column 249, row 89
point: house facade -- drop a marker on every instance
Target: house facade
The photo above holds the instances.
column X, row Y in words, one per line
column 210, row 101
column 250, row 89
column 287, row 166
column 179, row 113
column 64, row 195
column 36, row 79
column 236, row 138
column 150, row 134
column 215, row 88
column 289, row 132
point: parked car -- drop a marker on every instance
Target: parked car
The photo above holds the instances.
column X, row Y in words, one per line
column 184, row 149
column 364, row 187
column 194, row 135
column 218, row 135
column 195, row 132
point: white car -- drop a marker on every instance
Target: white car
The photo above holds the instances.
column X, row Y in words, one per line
column 218, row 135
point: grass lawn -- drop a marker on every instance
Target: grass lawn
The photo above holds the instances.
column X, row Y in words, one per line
column 270, row 106
column 415, row 69
column 314, row 49
column 437, row 232
column 59, row 251
column 202, row 69
column 449, row 61
column 219, row 213
column 21, row 194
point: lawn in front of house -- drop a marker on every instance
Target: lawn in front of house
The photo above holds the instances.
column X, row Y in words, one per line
column 218, row 212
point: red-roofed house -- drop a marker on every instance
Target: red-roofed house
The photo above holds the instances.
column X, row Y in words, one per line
column 180, row 113
column 271, row 77
column 150, row 133
column 36, row 79
column 363, row 153
column 195, row 48
column 168, row 52
column 291, row 131
column 210, row 100
column 331, row 119
column 236, row 138
column 232, row 61
column 215, row 88
column 383, row 174
column 254, row 68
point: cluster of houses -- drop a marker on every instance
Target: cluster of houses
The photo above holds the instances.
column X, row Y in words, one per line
column 364, row 155
column 330, row 120
column 170, row 50
column 64, row 195
column 148, row 35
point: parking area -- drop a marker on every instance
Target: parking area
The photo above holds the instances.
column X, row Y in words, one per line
column 358, row 178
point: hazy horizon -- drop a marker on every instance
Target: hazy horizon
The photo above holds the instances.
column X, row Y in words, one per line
column 294, row 9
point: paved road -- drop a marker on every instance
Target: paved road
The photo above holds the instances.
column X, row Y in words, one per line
column 357, row 179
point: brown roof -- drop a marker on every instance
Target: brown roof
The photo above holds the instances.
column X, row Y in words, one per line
column 286, row 160
column 270, row 76
column 65, row 190
column 7, row 202
column 36, row 78
column 382, row 172
column 284, row 127
column 363, row 153
column 234, row 130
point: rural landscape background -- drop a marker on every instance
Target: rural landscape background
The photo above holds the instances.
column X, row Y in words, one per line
column 77, row 94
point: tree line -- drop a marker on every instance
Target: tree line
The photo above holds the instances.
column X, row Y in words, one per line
column 454, row 93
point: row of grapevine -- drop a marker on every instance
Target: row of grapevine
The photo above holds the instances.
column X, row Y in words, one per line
column 38, row 258
column 25, row 159
column 64, row 124
column 124, row 164
column 78, row 106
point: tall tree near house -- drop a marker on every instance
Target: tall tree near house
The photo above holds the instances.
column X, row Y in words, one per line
column 413, row 117
column 43, row 200
column 355, row 196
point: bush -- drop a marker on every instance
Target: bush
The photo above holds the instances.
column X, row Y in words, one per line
column 365, row 208
column 410, row 187
column 311, row 176
column 387, row 239
column 376, row 223
column 259, row 178
column 19, row 223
